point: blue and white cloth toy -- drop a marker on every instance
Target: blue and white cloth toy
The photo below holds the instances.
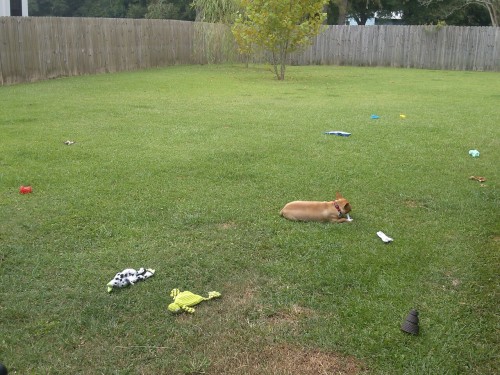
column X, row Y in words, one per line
column 338, row 132
column 129, row 276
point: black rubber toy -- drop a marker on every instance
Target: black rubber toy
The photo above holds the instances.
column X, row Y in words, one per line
column 410, row 325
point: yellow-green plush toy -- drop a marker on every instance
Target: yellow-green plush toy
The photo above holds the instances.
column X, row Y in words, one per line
column 186, row 300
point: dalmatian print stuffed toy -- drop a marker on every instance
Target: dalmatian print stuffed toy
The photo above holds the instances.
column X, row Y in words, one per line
column 129, row 276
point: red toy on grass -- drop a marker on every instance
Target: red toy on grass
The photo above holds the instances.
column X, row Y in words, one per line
column 25, row 189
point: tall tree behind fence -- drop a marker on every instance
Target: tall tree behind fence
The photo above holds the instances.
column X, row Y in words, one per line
column 33, row 48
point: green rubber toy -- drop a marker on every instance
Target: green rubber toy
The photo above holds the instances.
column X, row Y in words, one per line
column 184, row 301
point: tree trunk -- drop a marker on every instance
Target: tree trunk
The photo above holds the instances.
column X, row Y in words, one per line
column 283, row 54
column 275, row 65
column 493, row 14
column 342, row 12
column 282, row 70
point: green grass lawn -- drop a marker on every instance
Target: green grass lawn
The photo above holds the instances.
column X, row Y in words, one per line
column 185, row 169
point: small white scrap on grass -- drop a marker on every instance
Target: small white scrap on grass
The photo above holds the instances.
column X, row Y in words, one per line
column 384, row 237
column 349, row 218
column 338, row 132
column 69, row 143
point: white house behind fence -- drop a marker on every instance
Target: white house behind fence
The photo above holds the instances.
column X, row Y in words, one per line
column 14, row 8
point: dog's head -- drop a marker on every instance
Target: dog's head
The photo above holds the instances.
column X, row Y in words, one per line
column 343, row 203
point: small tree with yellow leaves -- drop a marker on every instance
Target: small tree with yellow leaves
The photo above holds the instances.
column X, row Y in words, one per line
column 279, row 27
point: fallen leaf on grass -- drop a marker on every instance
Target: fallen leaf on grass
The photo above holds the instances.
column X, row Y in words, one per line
column 477, row 178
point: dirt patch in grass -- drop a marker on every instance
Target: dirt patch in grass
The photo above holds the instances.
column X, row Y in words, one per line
column 291, row 315
column 454, row 281
column 259, row 348
column 228, row 225
column 283, row 359
column 414, row 204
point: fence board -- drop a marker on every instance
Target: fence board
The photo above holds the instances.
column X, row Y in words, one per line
column 34, row 48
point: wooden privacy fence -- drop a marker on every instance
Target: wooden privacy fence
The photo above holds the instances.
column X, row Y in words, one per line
column 430, row 47
column 35, row 48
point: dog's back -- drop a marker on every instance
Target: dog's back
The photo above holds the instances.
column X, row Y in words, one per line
column 306, row 211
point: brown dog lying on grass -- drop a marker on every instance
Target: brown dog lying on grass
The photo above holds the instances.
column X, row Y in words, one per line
column 336, row 211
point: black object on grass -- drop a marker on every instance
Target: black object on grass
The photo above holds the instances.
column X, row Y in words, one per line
column 410, row 325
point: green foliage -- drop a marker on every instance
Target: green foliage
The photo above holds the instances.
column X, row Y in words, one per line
column 162, row 9
column 279, row 27
column 104, row 8
column 453, row 12
column 216, row 11
column 362, row 10
column 53, row 7
column 210, row 38
column 179, row 9
column 472, row 15
column 136, row 11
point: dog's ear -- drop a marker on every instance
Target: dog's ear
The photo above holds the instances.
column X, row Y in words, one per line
column 338, row 195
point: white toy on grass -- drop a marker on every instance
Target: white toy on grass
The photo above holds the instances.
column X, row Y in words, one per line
column 129, row 276
column 384, row 237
